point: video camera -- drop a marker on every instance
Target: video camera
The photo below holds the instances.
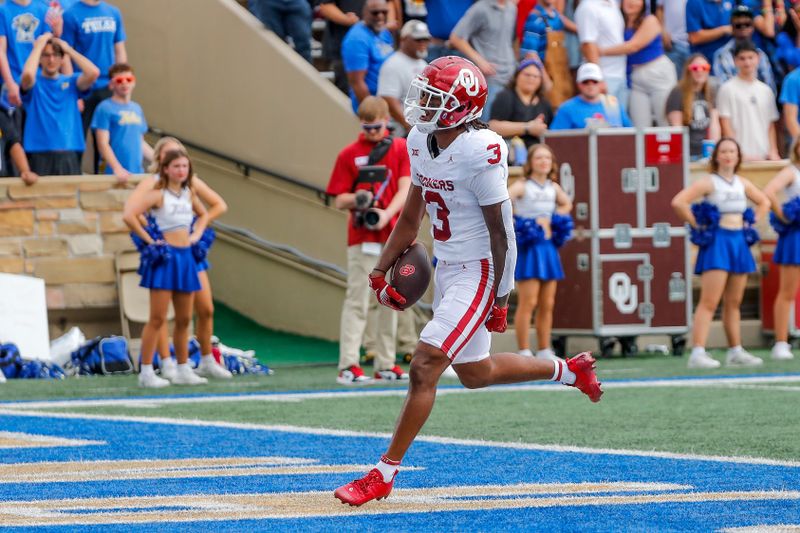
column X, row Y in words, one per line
column 365, row 214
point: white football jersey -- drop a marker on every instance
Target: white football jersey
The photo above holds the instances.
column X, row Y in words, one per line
column 470, row 173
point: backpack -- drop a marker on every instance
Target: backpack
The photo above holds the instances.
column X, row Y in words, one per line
column 103, row 355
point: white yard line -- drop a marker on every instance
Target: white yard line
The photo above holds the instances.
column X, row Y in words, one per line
column 432, row 439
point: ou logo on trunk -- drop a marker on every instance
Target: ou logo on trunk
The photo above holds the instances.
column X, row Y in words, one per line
column 623, row 293
column 468, row 80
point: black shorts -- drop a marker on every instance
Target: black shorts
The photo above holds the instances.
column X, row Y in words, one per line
column 55, row 163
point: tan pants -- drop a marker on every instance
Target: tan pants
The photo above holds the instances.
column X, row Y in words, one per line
column 354, row 315
column 407, row 334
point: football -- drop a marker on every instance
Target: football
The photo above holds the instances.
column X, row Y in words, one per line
column 411, row 274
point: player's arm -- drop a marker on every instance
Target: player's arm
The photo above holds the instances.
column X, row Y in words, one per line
column 498, row 241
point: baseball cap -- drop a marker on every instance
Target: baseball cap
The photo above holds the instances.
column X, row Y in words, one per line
column 416, row 29
column 742, row 10
column 589, row 71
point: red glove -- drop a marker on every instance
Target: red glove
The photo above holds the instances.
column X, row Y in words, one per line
column 497, row 319
column 387, row 295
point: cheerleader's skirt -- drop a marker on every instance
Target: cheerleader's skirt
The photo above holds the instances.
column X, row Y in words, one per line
column 787, row 251
column 728, row 251
column 538, row 261
column 178, row 273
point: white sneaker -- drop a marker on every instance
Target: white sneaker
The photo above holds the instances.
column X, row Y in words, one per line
column 526, row 352
column 168, row 368
column 151, row 381
column 548, row 355
column 353, row 375
column 782, row 351
column 184, row 375
column 449, row 373
column 2, row 377
column 703, row 360
column 211, row 369
column 742, row 358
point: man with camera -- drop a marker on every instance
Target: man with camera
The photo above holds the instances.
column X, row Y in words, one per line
column 371, row 180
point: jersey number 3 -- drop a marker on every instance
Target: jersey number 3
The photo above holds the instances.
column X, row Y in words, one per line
column 439, row 233
column 495, row 149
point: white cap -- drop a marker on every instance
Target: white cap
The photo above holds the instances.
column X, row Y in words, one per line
column 589, row 71
column 416, row 29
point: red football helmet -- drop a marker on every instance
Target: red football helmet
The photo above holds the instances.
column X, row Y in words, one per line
column 450, row 91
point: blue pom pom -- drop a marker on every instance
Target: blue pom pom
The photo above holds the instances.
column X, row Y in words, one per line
column 751, row 235
column 561, row 227
column 707, row 217
column 749, row 216
column 778, row 225
column 528, row 232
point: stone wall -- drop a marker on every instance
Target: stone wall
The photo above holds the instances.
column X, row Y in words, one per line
column 66, row 230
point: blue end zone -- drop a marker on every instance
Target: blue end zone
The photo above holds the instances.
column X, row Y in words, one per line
column 442, row 465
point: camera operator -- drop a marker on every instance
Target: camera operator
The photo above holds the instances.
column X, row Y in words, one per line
column 374, row 196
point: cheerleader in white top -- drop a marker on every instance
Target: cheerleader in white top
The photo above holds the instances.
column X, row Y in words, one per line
column 724, row 258
column 535, row 199
column 785, row 218
column 169, row 269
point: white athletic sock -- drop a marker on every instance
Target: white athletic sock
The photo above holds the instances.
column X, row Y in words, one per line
column 783, row 344
column 526, row 352
column 698, row 351
column 543, row 353
column 736, row 349
column 168, row 361
column 184, row 367
column 387, row 468
column 208, row 359
column 146, row 369
column 562, row 373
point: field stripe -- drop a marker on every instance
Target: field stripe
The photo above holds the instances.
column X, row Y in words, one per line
column 443, row 390
column 426, row 438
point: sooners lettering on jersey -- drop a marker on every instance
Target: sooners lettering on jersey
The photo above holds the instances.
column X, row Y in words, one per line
column 470, row 173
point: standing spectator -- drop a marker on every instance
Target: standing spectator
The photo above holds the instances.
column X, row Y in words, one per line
column 543, row 37
column 521, row 109
column 652, row 74
column 723, row 66
column 364, row 49
column 401, row 68
column 21, row 22
column 790, row 99
column 443, row 15
column 692, row 104
column 672, row 14
column 119, row 126
column 365, row 240
column 485, row 35
column 53, row 135
column 708, row 25
column 600, row 25
column 94, row 28
column 11, row 151
column 286, row 18
column 747, row 110
column 341, row 15
column 591, row 107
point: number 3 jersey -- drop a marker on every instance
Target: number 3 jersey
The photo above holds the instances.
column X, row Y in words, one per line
column 470, row 173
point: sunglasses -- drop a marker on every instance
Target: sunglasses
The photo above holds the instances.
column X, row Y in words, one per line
column 700, row 67
column 372, row 127
column 589, row 82
column 124, row 79
column 742, row 25
column 376, row 12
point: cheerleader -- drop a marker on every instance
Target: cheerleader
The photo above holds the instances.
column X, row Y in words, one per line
column 724, row 258
column 168, row 267
column 535, row 199
column 787, row 252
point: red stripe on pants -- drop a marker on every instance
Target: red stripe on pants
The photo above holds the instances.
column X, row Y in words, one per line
column 473, row 308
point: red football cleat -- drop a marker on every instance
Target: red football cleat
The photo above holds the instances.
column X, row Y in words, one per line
column 582, row 365
column 370, row 487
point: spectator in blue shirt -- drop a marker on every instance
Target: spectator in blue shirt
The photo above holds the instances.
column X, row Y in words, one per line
column 21, row 22
column 591, row 108
column 723, row 66
column 94, row 28
column 790, row 99
column 443, row 15
column 364, row 49
column 119, row 126
column 708, row 25
column 53, row 136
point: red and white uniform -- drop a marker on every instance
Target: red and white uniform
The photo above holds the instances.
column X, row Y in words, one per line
column 470, row 173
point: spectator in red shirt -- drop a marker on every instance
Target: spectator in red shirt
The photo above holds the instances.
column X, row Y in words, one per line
column 374, row 208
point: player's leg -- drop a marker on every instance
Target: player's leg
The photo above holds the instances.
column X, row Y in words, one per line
column 159, row 304
column 712, row 285
column 784, row 301
column 544, row 313
column 527, row 295
column 731, row 321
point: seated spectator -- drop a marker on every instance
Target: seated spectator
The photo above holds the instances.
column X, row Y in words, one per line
column 692, row 104
column 651, row 73
column 286, row 18
column 364, row 49
column 11, row 151
column 544, row 38
column 708, row 25
column 21, row 22
column 591, row 108
column 521, row 110
column 790, row 99
column 672, row 14
column 53, row 136
column 399, row 70
column 443, row 15
column 723, row 66
column 119, row 126
column 747, row 110
column 485, row 36
column 600, row 25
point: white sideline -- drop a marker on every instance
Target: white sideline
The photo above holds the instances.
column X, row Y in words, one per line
column 152, row 402
column 432, row 439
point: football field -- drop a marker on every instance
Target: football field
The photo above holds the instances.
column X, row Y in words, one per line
column 666, row 449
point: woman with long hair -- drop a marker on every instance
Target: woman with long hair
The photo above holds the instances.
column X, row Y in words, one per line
column 535, row 199
column 724, row 258
column 168, row 266
column 691, row 104
column 787, row 251
column 651, row 74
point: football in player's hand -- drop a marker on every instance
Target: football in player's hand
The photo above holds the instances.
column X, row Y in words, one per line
column 411, row 274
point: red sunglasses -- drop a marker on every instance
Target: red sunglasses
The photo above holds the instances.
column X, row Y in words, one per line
column 124, row 79
column 700, row 67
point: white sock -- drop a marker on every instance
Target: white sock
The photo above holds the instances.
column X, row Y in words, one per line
column 387, row 468
column 562, row 373
column 543, row 353
column 783, row 345
column 146, row 369
column 184, row 367
column 736, row 349
column 698, row 351
column 208, row 360
column 526, row 352
column 168, row 362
